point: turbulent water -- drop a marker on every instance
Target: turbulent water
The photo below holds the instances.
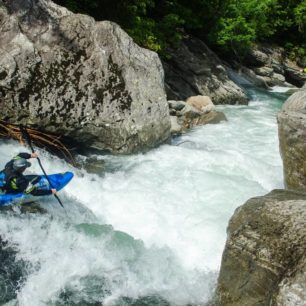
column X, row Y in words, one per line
column 150, row 228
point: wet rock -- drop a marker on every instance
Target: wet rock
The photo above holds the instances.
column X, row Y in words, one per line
column 292, row 138
column 176, row 105
column 197, row 110
column 176, row 128
column 264, row 258
column 191, row 117
column 295, row 76
column 94, row 165
column 189, row 111
column 257, row 58
column 24, row 208
column 65, row 73
column 12, row 272
column 278, row 79
column 193, row 69
column 264, row 71
column 277, row 67
column 32, row 208
column 252, row 77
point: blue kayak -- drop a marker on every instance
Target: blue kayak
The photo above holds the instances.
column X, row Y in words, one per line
column 58, row 181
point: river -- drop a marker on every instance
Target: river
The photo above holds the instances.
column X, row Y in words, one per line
column 150, row 228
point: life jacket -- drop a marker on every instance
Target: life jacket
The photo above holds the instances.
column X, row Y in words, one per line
column 9, row 175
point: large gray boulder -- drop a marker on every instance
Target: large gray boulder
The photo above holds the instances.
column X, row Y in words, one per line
column 264, row 261
column 292, row 138
column 193, row 69
column 65, row 73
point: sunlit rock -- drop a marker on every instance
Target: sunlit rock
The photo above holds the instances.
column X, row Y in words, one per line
column 264, row 261
column 65, row 73
column 292, row 138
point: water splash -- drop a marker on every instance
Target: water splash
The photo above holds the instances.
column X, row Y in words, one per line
column 151, row 226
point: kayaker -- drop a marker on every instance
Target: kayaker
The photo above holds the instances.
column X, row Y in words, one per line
column 16, row 182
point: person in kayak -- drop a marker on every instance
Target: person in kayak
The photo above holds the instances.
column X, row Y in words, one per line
column 16, row 182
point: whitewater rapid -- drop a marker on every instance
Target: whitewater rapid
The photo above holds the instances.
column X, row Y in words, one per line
column 151, row 226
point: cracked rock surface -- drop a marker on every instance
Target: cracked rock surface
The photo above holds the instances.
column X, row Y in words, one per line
column 264, row 261
column 65, row 73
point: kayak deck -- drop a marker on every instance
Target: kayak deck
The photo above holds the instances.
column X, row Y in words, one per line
column 58, row 181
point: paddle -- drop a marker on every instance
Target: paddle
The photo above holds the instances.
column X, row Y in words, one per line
column 27, row 137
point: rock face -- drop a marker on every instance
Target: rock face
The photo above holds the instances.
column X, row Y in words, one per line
column 269, row 66
column 264, row 261
column 194, row 69
column 292, row 137
column 66, row 73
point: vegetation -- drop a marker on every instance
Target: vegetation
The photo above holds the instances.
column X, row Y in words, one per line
column 231, row 26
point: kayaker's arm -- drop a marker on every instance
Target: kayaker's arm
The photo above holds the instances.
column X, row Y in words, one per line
column 27, row 155
column 32, row 189
column 23, row 155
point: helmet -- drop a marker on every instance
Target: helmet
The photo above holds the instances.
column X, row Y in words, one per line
column 21, row 164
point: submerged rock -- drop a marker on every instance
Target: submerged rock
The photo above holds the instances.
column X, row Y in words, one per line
column 12, row 272
column 65, row 73
column 92, row 164
column 264, row 261
column 292, row 138
column 25, row 208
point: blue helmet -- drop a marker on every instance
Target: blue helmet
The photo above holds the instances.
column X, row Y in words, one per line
column 21, row 164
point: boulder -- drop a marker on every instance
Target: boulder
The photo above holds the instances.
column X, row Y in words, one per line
column 277, row 67
column 65, row 73
column 252, row 77
column 176, row 128
column 190, row 117
column 264, row 71
column 295, row 76
column 198, row 110
column 201, row 103
column 189, row 111
column 256, row 58
column 292, row 138
column 264, row 261
column 176, row 105
column 193, row 69
column 278, row 79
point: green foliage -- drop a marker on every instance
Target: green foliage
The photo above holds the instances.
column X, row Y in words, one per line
column 235, row 34
column 233, row 26
column 243, row 23
column 300, row 16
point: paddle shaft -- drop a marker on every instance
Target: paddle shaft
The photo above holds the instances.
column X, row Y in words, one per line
column 27, row 137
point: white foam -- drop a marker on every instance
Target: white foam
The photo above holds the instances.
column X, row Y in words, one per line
column 280, row 88
column 176, row 199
